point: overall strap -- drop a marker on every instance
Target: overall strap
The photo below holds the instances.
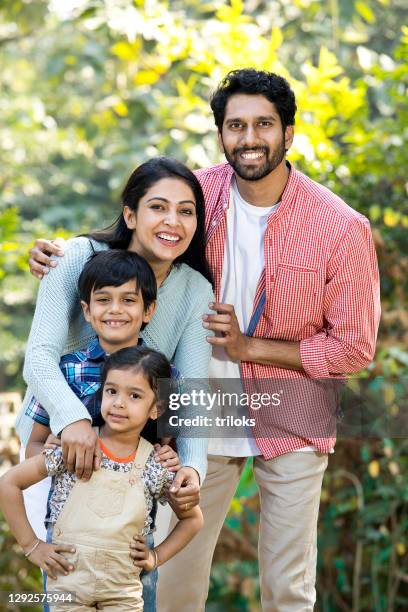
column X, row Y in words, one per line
column 142, row 454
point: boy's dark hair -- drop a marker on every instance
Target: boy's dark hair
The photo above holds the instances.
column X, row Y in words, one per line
column 255, row 82
column 152, row 364
column 116, row 267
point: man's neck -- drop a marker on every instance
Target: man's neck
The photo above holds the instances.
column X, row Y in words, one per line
column 112, row 347
column 266, row 191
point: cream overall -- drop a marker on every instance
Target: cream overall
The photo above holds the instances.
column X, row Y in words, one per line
column 100, row 518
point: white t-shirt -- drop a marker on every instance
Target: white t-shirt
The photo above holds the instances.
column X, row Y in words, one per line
column 243, row 265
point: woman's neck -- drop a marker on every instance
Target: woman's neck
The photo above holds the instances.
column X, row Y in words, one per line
column 161, row 271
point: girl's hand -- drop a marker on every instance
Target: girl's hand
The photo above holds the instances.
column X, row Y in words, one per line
column 167, row 457
column 47, row 557
column 141, row 554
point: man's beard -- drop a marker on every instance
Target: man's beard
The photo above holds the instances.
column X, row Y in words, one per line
column 255, row 173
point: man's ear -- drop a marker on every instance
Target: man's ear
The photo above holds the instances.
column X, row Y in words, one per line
column 86, row 311
column 220, row 143
column 149, row 312
column 289, row 135
column 129, row 216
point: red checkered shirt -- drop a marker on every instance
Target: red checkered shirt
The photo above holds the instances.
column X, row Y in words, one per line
column 322, row 290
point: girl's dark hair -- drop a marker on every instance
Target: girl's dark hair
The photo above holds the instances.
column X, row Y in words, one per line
column 114, row 268
column 253, row 82
column 118, row 236
column 152, row 364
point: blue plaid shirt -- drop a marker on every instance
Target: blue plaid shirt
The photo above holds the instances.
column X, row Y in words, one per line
column 82, row 371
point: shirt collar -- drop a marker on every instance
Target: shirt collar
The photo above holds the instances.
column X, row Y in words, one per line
column 95, row 351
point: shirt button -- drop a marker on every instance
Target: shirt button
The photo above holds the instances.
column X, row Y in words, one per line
column 213, row 223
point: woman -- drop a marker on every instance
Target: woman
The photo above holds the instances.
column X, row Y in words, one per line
column 163, row 221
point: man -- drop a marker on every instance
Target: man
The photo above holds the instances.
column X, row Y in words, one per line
column 297, row 291
column 282, row 245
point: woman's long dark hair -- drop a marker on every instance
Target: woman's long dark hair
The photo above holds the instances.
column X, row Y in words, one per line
column 118, row 235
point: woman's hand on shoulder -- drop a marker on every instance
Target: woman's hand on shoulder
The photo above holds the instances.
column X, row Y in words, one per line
column 40, row 255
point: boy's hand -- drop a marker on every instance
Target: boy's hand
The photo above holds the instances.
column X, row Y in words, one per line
column 47, row 557
column 80, row 449
column 141, row 554
column 167, row 457
column 52, row 442
column 184, row 492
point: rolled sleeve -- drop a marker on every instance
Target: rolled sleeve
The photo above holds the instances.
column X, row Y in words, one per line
column 351, row 309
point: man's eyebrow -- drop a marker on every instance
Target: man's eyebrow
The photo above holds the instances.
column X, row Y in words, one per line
column 167, row 201
column 260, row 118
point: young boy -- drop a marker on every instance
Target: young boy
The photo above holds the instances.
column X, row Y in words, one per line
column 118, row 292
column 117, row 289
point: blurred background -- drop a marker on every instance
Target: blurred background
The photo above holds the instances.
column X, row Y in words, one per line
column 91, row 88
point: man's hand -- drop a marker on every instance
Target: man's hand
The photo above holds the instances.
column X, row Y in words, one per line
column 184, row 492
column 40, row 256
column 141, row 555
column 80, row 449
column 232, row 339
column 167, row 457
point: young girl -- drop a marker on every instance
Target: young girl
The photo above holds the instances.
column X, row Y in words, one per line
column 93, row 522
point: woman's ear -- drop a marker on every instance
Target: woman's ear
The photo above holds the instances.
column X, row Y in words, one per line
column 149, row 312
column 129, row 216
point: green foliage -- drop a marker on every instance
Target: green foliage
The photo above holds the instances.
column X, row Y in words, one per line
column 89, row 89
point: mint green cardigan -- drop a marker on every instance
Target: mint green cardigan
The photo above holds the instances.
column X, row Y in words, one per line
column 58, row 327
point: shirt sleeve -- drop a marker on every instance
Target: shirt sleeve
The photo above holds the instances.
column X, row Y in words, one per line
column 192, row 358
column 57, row 304
column 54, row 463
column 351, row 309
column 37, row 413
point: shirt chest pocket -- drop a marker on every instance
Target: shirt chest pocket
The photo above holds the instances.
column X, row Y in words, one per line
column 294, row 304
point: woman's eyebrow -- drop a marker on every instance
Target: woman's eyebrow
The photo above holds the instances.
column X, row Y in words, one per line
column 168, row 201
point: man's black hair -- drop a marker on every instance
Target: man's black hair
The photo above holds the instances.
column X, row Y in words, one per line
column 116, row 267
column 255, row 82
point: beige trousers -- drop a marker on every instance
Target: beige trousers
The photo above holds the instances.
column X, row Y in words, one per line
column 289, row 488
